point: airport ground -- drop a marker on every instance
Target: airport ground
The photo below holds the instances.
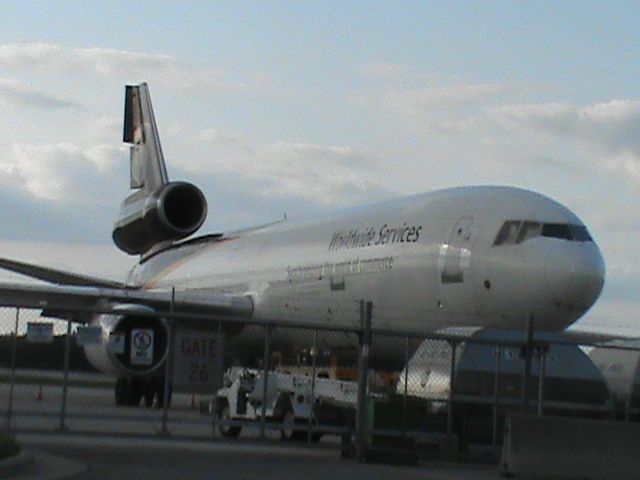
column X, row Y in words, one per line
column 124, row 443
column 100, row 458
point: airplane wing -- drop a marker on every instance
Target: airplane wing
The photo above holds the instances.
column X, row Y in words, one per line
column 72, row 299
column 56, row 276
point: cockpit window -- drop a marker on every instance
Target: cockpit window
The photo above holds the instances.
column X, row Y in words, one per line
column 580, row 233
column 518, row 231
column 508, row 234
column 529, row 230
column 556, row 230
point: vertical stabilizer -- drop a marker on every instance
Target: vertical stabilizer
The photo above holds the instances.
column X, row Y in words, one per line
column 158, row 212
column 148, row 170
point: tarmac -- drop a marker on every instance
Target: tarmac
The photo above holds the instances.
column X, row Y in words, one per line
column 82, row 457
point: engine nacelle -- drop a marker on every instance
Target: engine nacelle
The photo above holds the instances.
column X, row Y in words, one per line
column 174, row 211
column 131, row 345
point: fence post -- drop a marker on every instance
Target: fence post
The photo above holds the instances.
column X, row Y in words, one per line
column 496, row 393
column 542, row 364
column 526, row 374
column 168, row 374
column 65, row 380
column 14, row 350
column 214, row 420
column 265, row 381
column 454, row 346
column 404, row 397
column 314, row 354
column 363, row 378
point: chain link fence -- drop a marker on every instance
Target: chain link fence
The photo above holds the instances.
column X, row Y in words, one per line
column 303, row 384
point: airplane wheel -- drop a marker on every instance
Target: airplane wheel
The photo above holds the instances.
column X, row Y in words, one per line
column 135, row 393
column 227, row 430
column 149, row 392
column 123, row 391
column 160, row 392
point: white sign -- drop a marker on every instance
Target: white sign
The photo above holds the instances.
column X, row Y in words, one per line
column 141, row 346
column 198, row 364
column 116, row 343
column 39, row 332
column 89, row 336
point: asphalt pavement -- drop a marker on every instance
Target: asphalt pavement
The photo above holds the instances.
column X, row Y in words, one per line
column 103, row 458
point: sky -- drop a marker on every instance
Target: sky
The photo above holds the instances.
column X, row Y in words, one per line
column 307, row 107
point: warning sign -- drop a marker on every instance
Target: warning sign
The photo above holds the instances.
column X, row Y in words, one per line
column 141, row 346
column 198, row 363
column 39, row 332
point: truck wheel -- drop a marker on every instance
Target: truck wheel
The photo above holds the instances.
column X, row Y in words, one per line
column 227, row 430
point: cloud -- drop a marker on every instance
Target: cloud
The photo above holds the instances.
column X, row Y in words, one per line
column 432, row 107
column 326, row 174
column 428, row 98
column 49, row 58
column 381, row 69
column 62, row 172
column 612, row 126
column 15, row 95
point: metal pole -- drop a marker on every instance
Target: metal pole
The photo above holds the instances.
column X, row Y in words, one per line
column 265, row 381
column 454, row 346
column 67, row 351
column 496, row 393
column 314, row 354
column 363, row 376
column 406, row 380
column 526, row 374
column 541, row 372
column 215, row 397
column 168, row 374
column 14, row 350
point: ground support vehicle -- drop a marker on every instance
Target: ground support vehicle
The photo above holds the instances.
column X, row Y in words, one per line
column 299, row 403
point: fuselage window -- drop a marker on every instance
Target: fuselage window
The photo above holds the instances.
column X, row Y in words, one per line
column 508, row 234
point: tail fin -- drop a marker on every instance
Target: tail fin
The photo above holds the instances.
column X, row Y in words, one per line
column 158, row 212
column 148, row 170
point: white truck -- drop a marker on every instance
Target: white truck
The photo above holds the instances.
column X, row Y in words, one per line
column 293, row 400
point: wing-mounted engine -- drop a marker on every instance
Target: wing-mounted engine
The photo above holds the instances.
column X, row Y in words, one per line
column 131, row 345
column 159, row 211
column 174, row 211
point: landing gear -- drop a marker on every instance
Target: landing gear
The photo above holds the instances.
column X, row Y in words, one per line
column 149, row 392
column 159, row 391
column 130, row 391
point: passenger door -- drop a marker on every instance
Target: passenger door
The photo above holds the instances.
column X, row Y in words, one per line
column 456, row 253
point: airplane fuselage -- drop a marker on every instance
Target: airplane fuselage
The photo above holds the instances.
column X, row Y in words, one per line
column 427, row 262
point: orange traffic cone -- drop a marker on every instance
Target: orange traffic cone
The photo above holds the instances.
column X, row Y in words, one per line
column 39, row 397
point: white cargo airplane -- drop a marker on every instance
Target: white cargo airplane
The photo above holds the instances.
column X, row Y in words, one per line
column 481, row 256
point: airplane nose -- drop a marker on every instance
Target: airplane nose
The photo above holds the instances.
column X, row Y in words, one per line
column 587, row 279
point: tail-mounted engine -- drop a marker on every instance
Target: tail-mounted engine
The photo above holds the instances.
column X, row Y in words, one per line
column 132, row 345
column 174, row 211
